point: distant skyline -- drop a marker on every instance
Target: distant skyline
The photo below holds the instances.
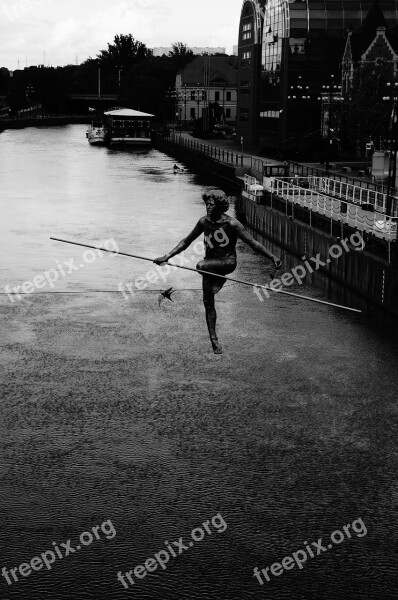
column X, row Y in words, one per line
column 56, row 32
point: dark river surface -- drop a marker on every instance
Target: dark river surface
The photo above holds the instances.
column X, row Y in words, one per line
column 125, row 441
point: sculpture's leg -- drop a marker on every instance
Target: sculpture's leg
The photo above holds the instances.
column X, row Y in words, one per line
column 211, row 319
column 211, row 286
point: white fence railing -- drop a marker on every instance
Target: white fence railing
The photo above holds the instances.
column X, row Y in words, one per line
column 344, row 211
column 349, row 192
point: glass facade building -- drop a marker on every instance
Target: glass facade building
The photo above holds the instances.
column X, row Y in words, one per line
column 294, row 49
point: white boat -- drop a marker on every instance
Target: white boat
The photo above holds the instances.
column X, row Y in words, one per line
column 127, row 126
column 97, row 134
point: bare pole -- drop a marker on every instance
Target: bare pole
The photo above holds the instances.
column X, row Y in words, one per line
column 253, row 285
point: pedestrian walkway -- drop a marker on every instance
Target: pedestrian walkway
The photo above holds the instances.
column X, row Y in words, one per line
column 230, row 152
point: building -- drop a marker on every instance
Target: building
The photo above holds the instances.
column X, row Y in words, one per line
column 204, row 81
column 287, row 51
column 374, row 45
column 369, row 74
column 161, row 51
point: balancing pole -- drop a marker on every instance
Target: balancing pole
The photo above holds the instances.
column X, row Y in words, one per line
column 253, row 285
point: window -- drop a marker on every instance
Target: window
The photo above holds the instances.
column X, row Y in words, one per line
column 229, row 97
column 228, row 113
column 276, row 29
column 247, row 27
column 297, row 45
column 270, row 114
column 193, row 95
column 217, row 96
column 193, row 113
column 246, row 59
column 247, row 36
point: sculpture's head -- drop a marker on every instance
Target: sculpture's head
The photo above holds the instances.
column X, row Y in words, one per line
column 216, row 204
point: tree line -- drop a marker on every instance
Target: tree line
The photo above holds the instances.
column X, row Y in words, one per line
column 127, row 68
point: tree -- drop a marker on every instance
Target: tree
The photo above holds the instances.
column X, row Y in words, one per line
column 124, row 51
column 181, row 55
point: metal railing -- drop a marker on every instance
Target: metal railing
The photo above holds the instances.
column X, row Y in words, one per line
column 352, row 189
column 353, row 193
column 227, row 157
column 336, row 209
column 306, row 171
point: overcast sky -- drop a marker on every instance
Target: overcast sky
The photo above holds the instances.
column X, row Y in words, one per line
column 66, row 29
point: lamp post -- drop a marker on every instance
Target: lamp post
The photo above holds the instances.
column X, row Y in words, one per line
column 198, row 92
column 299, row 93
column 184, row 96
column 392, row 169
column 119, row 80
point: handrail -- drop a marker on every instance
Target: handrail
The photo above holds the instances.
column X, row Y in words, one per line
column 376, row 222
column 222, row 155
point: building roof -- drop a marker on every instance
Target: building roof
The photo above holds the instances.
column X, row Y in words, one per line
column 362, row 38
column 223, row 70
column 127, row 112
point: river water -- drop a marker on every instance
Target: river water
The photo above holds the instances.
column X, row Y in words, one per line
column 114, row 411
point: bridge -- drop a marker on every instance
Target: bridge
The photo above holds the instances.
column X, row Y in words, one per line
column 94, row 97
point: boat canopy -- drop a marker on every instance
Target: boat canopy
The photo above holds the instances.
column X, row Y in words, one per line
column 127, row 112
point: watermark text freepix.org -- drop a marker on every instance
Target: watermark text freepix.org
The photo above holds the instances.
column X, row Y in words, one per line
column 300, row 557
column 299, row 273
column 62, row 269
column 15, row 10
column 48, row 557
column 174, row 549
column 162, row 272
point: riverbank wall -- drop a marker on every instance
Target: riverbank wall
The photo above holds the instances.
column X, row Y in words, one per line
column 364, row 272
column 206, row 159
column 45, row 121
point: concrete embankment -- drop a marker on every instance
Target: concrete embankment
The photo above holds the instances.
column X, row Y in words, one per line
column 371, row 276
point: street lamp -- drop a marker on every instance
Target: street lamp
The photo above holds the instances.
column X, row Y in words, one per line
column 198, row 92
column 184, row 96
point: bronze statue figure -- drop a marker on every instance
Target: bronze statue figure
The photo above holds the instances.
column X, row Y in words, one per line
column 221, row 233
